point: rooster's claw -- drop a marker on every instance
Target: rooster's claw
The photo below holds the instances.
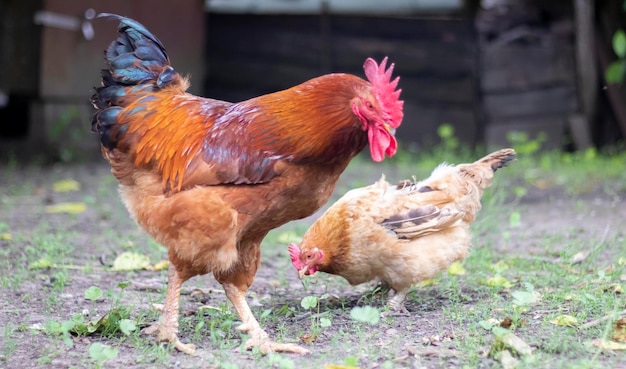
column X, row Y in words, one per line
column 267, row 346
column 166, row 336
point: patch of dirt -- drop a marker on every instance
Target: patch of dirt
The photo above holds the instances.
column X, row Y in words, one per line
column 425, row 339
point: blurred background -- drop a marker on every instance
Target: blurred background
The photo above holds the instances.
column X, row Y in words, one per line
column 551, row 70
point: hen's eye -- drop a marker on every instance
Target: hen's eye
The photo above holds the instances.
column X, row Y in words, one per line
column 369, row 105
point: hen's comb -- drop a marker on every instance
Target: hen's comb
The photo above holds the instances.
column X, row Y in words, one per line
column 294, row 253
column 385, row 90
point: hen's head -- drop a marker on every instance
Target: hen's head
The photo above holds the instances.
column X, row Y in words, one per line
column 305, row 262
column 379, row 109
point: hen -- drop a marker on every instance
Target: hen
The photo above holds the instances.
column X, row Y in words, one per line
column 209, row 179
column 402, row 234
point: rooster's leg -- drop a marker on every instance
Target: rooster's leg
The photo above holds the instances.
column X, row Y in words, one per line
column 396, row 303
column 168, row 329
column 258, row 337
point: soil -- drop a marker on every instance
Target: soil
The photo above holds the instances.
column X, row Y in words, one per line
column 424, row 339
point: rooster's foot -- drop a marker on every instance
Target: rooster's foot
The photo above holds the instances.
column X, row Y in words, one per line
column 396, row 304
column 266, row 346
column 258, row 338
column 166, row 335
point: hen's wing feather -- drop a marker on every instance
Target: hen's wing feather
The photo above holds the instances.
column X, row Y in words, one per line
column 421, row 220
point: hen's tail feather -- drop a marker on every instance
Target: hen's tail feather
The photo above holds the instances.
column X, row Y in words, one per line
column 481, row 171
column 495, row 161
column 498, row 159
column 137, row 63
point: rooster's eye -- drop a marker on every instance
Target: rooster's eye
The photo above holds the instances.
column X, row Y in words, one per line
column 369, row 105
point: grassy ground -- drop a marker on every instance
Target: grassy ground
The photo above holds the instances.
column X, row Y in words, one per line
column 541, row 288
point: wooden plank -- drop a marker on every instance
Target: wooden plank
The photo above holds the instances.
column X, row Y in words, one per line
column 421, row 122
column 559, row 99
column 268, row 77
column 587, row 75
column 451, row 31
column 436, row 65
column 578, row 126
column 304, row 44
column 242, row 23
column 423, row 58
column 515, row 67
column 285, row 46
column 265, row 37
column 334, row 6
column 261, row 76
column 551, row 125
column 20, row 44
column 454, row 91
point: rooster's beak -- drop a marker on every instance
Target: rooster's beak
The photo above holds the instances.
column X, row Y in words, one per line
column 302, row 273
column 390, row 129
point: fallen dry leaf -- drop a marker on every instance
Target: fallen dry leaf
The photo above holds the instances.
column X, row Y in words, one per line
column 425, row 283
column 565, row 320
column 506, row 323
column 161, row 265
column 66, row 207
column 619, row 330
column 489, row 323
column 42, row 263
column 308, row 338
column 5, row 237
column 609, row 345
column 456, row 268
column 131, row 261
column 497, row 281
column 66, row 185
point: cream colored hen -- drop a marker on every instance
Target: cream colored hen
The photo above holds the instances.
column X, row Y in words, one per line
column 400, row 234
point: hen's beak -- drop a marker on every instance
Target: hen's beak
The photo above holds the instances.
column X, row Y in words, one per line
column 302, row 272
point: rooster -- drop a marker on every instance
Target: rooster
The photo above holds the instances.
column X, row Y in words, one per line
column 402, row 234
column 209, row 179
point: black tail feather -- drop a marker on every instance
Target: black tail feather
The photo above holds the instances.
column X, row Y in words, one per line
column 136, row 62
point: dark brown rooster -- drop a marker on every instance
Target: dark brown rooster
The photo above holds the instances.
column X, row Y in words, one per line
column 209, row 179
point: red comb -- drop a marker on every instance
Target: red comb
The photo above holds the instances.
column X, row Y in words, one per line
column 294, row 253
column 385, row 90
